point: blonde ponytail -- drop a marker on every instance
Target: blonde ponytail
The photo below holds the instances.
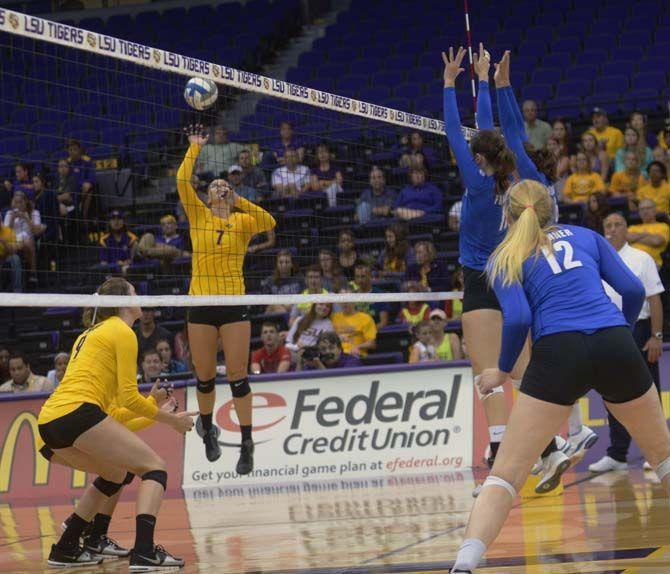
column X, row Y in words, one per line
column 528, row 209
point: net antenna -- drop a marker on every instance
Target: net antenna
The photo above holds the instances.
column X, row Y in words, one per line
column 468, row 37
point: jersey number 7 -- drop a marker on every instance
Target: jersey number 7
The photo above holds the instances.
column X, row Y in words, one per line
column 568, row 261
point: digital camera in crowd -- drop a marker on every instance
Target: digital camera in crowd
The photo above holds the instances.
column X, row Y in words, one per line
column 311, row 353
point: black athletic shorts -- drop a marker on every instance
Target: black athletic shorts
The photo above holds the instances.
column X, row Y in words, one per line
column 476, row 291
column 63, row 431
column 565, row 366
column 219, row 315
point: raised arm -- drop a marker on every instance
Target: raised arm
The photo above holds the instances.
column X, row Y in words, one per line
column 187, row 194
column 259, row 220
column 517, row 319
column 482, row 65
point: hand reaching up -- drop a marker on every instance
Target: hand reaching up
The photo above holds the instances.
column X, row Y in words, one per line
column 501, row 75
column 482, row 63
column 452, row 66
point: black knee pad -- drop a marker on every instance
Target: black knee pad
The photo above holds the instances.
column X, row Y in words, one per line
column 159, row 476
column 129, row 478
column 206, row 387
column 46, row 452
column 240, row 388
column 107, row 487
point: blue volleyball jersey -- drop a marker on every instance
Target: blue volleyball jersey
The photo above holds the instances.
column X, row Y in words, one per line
column 482, row 225
column 562, row 291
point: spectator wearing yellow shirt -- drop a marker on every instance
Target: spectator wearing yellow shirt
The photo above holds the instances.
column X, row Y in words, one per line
column 658, row 188
column 650, row 236
column 629, row 181
column 610, row 138
column 356, row 329
column 10, row 262
column 664, row 135
column 581, row 184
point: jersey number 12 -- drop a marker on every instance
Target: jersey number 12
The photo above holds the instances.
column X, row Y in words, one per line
column 568, row 261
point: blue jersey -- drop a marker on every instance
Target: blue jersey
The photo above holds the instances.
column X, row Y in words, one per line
column 482, row 223
column 514, row 131
column 562, row 291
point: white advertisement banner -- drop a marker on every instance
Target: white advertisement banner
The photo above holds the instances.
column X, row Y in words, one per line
column 343, row 426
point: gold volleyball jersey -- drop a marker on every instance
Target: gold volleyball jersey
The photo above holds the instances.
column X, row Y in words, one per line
column 219, row 245
column 101, row 371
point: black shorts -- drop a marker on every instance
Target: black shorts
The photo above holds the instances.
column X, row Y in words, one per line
column 219, row 315
column 477, row 294
column 565, row 366
column 63, row 431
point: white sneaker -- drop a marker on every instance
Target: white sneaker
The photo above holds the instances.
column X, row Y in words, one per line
column 553, row 468
column 579, row 443
column 561, row 444
column 477, row 490
column 647, row 466
column 537, row 467
column 607, row 463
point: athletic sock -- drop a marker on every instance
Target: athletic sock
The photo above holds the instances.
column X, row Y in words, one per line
column 70, row 538
column 469, row 555
column 551, row 447
column 575, row 420
column 496, row 433
column 494, row 449
column 246, row 432
column 100, row 525
column 206, row 421
column 144, row 533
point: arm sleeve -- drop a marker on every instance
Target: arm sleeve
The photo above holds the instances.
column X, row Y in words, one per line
column 621, row 278
column 484, row 110
column 129, row 419
column 290, row 343
column 126, row 367
column 187, row 194
column 258, row 219
column 516, row 322
column 472, row 178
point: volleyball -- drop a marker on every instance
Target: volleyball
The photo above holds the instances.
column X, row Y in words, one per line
column 200, row 93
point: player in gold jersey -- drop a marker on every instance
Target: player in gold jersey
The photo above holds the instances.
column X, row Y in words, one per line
column 75, row 422
column 220, row 234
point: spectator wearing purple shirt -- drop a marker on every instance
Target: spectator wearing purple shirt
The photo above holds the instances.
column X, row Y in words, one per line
column 287, row 140
column 166, row 245
column 427, row 271
column 325, row 177
column 22, row 183
column 414, row 149
column 418, row 198
column 83, row 169
column 118, row 245
column 327, row 355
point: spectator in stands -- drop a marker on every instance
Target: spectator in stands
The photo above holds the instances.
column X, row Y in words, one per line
column 285, row 280
column 164, row 246
column 609, row 137
column 418, row 198
column 583, row 182
column 332, row 277
column 10, row 262
column 273, row 356
column 638, row 120
column 152, row 366
column 561, row 133
column 562, row 164
column 356, row 329
column 662, row 155
column 397, row 254
column 346, row 253
column 28, row 227
column 447, row 345
column 182, row 351
column 148, row 332
column 4, row 363
column 658, row 188
column 427, row 271
column 286, row 142
column 416, row 154
column 423, row 350
column 67, row 193
column 235, row 179
column 217, row 155
column 306, row 329
column 626, row 183
column 292, row 178
column 664, row 136
column 632, row 140
column 170, row 365
column 55, row 375
column 454, row 307
column 651, row 236
column 83, row 169
column 118, row 244
column 23, row 181
column 313, row 286
column 414, row 312
column 377, row 201
column 22, row 379
column 596, row 211
column 599, row 161
column 329, row 354
column 252, row 176
column 455, row 216
column 325, row 177
column 538, row 131
column 46, row 203
column 362, row 283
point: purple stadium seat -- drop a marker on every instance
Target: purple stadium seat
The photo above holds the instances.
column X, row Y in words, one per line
column 565, row 106
column 616, row 84
column 545, row 75
column 389, row 78
column 579, row 88
column 650, row 81
column 538, row 92
column 409, row 90
column 375, row 94
column 366, row 66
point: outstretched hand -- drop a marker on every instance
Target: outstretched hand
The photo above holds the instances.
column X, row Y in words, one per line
column 196, row 134
column 452, row 66
column 501, row 75
column 482, row 63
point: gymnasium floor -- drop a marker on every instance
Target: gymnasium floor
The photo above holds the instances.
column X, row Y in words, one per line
column 613, row 523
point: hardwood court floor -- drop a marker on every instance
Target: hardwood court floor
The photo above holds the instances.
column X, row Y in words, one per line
column 615, row 523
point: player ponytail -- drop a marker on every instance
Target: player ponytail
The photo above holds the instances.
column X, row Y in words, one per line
column 529, row 211
column 113, row 286
column 491, row 146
